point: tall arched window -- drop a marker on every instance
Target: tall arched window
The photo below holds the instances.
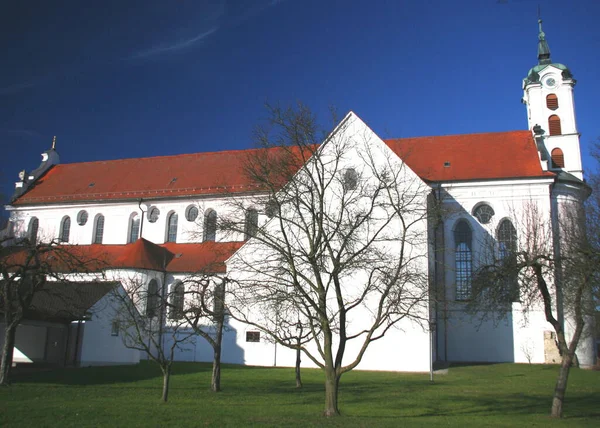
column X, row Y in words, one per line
column 251, row 224
column 152, row 299
column 463, row 259
column 172, row 228
column 177, row 299
column 134, row 228
column 507, row 249
column 65, row 229
column 32, row 231
column 98, row 229
column 552, row 101
column 554, row 125
column 210, row 225
column 558, row 158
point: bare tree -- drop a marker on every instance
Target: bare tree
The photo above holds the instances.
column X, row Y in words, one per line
column 551, row 266
column 140, row 312
column 204, row 313
column 28, row 269
column 342, row 257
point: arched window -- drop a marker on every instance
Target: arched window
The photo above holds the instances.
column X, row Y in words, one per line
column 32, row 231
column 554, row 125
column 507, row 249
column 507, row 238
column 552, row 101
column 210, row 225
column 464, row 259
column 99, row 229
column 177, row 299
column 172, row 228
column 558, row 158
column 152, row 299
column 251, row 224
column 65, row 229
column 134, row 228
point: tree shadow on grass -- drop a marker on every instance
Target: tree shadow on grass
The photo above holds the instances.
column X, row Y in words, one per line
column 99, row 375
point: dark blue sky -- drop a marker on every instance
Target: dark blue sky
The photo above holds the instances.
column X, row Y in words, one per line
column 135, row 78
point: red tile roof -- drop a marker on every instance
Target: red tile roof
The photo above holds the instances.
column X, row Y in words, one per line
column 493, row 155
column 205, row 257
column 471, row 157
column 155, row 177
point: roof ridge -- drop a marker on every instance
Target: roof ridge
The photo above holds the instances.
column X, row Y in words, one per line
column 459, row 135
column 219, row 152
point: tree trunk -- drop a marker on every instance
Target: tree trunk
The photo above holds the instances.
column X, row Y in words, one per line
column 561, row 386
column 166, row 379
column 298, row 360
column 332, row 383
column 215, row 384
column 7, row 353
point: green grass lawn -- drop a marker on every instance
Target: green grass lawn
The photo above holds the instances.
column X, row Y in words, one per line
column 486, row 395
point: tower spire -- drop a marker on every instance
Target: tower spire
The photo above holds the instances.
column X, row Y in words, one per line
column 543, row 48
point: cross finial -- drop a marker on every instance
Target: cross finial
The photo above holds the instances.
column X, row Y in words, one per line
column 54, row 142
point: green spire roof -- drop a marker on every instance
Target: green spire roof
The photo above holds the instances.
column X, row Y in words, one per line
column 533, row 76
column 543, row 48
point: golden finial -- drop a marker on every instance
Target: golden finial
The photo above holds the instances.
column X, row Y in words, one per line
column 54, row 142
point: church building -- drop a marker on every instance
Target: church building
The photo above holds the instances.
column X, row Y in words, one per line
column 157, row 219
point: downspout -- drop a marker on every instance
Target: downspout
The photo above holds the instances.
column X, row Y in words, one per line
column 141, row 217
column 441, row 278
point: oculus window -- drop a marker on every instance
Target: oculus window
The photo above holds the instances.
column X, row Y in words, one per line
column 483, row 213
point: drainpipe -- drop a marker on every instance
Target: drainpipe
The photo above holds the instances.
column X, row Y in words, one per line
column 141, row 217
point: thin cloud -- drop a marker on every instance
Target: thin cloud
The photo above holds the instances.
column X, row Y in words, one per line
column 178, row 46
column 27, row 133
column 17, row 87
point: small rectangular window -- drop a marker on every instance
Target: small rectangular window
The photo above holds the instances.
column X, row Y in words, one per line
column 253, row 336
column 114, row 328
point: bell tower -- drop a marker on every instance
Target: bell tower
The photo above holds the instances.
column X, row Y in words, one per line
column 548, row 95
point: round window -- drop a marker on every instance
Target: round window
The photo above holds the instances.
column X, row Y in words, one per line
column 82, row 217
column 484, row 213
column 191, row 214
column 153, row 214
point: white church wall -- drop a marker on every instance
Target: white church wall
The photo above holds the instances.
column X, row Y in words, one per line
column 490, row 337
column 100, row 345
column 117, row 220
column 408, row 345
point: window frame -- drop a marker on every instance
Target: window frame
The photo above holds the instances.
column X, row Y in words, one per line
column 463, row 260
column 480, row 210
column 33, row 229
column 65, row 229
column 250, row 223
column 190, row 209
column 152, row 299
column 350, row 179
column 253, row 336
column 153, row 214
column 557, row 158
column 172, row 224
column 554, row 125
column 507, row 238
column 98, row 229
column 177, row 300
column 209, row 232
column 82, row 217
column 134, row 220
